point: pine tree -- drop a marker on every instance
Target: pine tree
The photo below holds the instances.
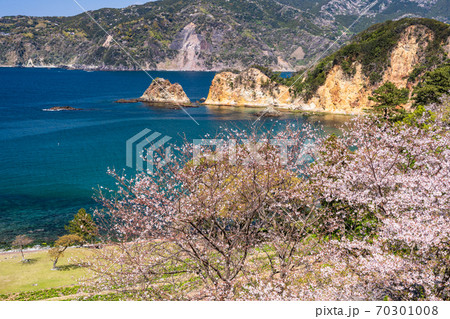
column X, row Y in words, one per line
column 389, row 98
column 61, row 245
column 83, row 225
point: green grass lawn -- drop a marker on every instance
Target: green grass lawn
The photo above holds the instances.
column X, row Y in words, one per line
column 37, row 274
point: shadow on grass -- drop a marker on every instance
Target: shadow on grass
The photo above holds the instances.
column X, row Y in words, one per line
column 30, row 261
column 68, row 267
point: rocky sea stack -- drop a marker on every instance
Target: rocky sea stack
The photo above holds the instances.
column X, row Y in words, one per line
column 161, row 91
column 268, row 112
column 248, row 88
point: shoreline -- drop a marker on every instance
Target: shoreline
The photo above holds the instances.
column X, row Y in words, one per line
column 284, row 109
column 115, row 69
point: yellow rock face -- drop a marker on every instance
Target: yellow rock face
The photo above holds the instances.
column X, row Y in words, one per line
column 341, row 93
column 249, row 88
column 349, row 94
column 406, row 54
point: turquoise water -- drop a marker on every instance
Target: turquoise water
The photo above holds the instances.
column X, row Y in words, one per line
column 51, row 162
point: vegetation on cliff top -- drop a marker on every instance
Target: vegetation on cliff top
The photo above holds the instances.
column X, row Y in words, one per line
column 433, row 86
column 387, row 98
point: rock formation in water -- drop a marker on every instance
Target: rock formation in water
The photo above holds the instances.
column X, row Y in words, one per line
column 248, row 88
column 61, row 108
column 268, row 112
column 161, row 91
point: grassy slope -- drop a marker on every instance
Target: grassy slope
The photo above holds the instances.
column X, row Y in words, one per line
column 36, row 275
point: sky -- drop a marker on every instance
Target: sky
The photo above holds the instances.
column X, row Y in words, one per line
column 58, row 7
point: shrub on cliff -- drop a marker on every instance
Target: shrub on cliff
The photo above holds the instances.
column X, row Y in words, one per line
column 389, row 100
column 434, row 84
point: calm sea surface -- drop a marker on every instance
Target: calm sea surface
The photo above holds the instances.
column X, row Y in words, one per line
column 51, row 162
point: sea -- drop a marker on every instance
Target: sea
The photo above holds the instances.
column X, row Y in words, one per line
column 52, row 163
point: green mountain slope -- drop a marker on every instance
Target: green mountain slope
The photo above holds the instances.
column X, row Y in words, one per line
column 189, row 34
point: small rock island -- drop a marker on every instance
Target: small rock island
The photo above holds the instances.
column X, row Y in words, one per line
column 162, row 92
column 61, row 108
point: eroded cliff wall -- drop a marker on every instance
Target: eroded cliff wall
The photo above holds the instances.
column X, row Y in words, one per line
column 248, row 88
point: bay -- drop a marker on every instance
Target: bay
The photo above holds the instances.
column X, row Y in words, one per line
column 52, row 162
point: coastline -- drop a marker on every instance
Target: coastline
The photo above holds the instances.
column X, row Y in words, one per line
column 291, row 109
column 117, row 69
column 93, row 174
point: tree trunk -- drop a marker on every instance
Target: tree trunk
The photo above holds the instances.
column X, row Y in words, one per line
column 54, row 264
column 23, row 256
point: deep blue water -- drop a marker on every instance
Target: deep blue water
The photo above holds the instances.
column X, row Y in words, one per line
column 51, row 162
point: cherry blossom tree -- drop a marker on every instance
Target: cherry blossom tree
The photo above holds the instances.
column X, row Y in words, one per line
column 287, row 214
column 393, row 180
column 213, row 208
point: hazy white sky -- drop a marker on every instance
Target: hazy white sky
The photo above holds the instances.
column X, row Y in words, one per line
column 58, row 7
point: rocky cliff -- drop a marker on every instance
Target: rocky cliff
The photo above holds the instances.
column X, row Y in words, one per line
column 349, row 80
column 161, row 91
column 341, row 93
column 248, row 88
column 350, row 94
column 400, row 52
